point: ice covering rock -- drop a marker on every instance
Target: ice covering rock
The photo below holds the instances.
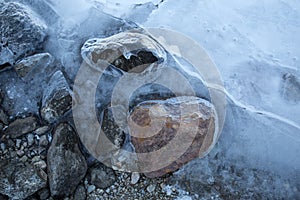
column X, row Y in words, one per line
column 35, row 64
column 66, row 164
column 57, row 99
column 19, row 180
column 155, row 124
column 20, row 127
column 22, row 32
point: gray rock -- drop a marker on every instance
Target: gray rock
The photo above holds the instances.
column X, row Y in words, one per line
column 80, row 193
column 32, row 64
column 57, row 98
column 22, row 32
column 19, row 180
column 44, row 193
column 3, row 119
column 290, row 88
column 101, row 176
column 66, row 164
column 21, row 126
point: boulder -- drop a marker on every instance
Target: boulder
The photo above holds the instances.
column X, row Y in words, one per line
column 19, row 180
column 66, row 164
column 173, row 132
column 22, row 32
column 101, row 176
column 20, row 127
column 57, row 98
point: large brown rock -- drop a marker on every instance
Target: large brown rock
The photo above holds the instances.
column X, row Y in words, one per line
column 169, row 133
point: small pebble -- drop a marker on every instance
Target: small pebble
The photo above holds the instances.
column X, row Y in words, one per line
column 135, row 177
column 91, row 189
column 151, row 188
column 18, row 143
column 30, row 139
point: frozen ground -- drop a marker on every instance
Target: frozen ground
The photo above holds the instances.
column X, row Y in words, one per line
column 255, row 45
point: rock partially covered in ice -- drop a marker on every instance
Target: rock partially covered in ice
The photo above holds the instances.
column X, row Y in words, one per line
column 20, row 127
column 33, row 63
column 290, row 88
column 128, row 51
column 66, row 164
column 101, row 176
column 57, row 98
column 22, row 32
column 19, row 180
column 185, row 126
column 111, row 129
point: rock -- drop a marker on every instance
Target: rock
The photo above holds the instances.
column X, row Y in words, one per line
column 30, row 139
column 3, row 119
column 91, row 189
column 114, row 50
column 20, row 127
column 290, row 88
column 19, row 180
column 2, row 197
column 33, row 64
column 43, row 141
column 154, row 126
column 151, row 188
column 66, row 164
column 101, row 176
column 135, row 177
column 42, row 130
column 44, row 194
column 22, row 32
column 80, row 193
column 111, row 129
column 57, row 98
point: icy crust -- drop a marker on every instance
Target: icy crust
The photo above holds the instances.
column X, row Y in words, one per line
column 111, row 48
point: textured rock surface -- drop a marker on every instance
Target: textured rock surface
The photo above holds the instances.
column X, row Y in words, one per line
column 101, row 176
column 154, row 124
column 57, row 99
column 19, row 180
column 66, row 164
column 80, row 193
column 22, row 32
column 33, row 63
column 20, row 127
column 111, row 129
column 3, row 119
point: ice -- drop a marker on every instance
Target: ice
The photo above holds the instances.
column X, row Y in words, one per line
column 255, row 46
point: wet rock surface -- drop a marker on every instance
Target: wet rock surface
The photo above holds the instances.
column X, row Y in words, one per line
column 22, row 32
column 66, row 164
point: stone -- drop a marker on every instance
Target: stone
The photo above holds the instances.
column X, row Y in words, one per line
column 32, row 64
column 114, row 49
column 3, row 119
column 42, row 130
column 151, row 188
column 101, row 176
column 154, row 126
column 80, row 193
column 30, row 139
column 20, row 180
column 66, row 164
column 91, row 189
column 290, row 88
column 22, row 32
column 44, row 194
column 135, row 177
column 20, row 127
column 43, row 141
column 57, row 98
column 111, row 129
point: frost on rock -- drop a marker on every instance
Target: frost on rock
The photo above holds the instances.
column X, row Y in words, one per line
column 34, row 65
column 22, row 32
column 57, row 99
column 14, row 174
